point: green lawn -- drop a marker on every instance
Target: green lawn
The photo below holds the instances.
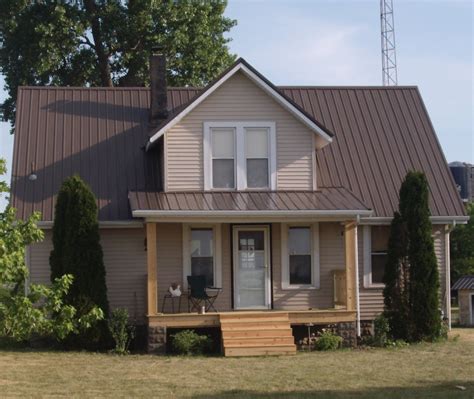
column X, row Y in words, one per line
column 419, row 371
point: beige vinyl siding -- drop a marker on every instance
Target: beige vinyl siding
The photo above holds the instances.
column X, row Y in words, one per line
column 170, row 269
column 238, row 99
column 371, row 299
column 169, row 258
column 464, row 296
column 331, row 248
column 125, row 263
column 170, row 265
column 38, row 259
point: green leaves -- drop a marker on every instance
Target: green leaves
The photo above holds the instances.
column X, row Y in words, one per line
column 37, row 309
column 94, row 43
column 462, row 247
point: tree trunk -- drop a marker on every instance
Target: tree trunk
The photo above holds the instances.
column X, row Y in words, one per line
column 102, row 56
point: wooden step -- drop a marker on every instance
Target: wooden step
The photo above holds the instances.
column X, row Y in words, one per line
column 254, row 325
column 257, row 334
column 249, row 315
column 258, row 341
column 258, row 351
column 254, row 319
column 275, row 332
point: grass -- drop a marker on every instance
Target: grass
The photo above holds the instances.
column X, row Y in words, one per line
column 418, row 371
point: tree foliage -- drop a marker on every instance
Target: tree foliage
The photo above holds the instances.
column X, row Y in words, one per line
column 34, row 309
column 107, row 42
column 462, row 247
column 396, row 279
column 76, row 245
column 411, row 293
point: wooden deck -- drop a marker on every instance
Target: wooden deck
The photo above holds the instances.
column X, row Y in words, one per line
column 254, row 333
column 213, row 319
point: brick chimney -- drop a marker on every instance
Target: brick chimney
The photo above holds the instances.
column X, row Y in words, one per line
column 159, row 98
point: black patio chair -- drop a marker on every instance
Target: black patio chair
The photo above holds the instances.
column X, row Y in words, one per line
column 197, row 293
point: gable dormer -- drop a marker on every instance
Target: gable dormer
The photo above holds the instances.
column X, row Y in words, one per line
column 240, row 133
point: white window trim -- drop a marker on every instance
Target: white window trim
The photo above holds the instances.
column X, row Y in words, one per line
column 217, row 240
column 471, row 316
column 240, row 159
column 285, row 260
column 368, row 259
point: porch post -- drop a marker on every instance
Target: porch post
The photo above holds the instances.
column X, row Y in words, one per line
column 152, row 285
column 350, row 255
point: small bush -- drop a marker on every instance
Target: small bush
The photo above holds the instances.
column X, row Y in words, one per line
column 122, row 333
column 327, row 341
column 443, row 331
column 188, row 342
column 398, row 343
column 381, row 331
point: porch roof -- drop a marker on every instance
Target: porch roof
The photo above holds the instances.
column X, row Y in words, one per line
column 325, row 201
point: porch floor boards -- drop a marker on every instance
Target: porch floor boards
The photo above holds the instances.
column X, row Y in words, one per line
column 213, row 319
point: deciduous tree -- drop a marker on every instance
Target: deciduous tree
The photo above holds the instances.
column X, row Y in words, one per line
column 34, row 309
column 107, row 42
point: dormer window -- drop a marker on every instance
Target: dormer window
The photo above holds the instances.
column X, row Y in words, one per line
column 239, row 155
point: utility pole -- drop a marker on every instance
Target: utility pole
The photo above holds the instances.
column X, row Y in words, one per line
column 389, row 56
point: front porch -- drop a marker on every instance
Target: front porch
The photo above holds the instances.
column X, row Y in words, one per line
column 278, row 307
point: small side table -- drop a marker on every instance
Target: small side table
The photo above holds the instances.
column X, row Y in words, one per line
column 173, row 298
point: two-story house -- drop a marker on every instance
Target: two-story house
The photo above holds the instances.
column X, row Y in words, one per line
column 280, row 196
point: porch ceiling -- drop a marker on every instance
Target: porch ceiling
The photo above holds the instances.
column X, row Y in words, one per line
column 328, row 201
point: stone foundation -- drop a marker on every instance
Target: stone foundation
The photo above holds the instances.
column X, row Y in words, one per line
column 348, row 333
column 156, row 339
column 366, row 328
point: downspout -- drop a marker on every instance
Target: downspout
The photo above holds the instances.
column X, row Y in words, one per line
column 357, row 277
column 447, row 259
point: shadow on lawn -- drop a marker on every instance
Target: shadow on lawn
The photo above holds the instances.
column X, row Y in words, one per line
column 444, row 391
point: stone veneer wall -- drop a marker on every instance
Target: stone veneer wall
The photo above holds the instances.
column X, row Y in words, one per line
column 348, row 332
column 156, row 339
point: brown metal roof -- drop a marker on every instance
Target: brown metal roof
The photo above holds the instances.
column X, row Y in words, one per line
column 379, row 135
column 326, row 199
column 98, row 133
column 464, row 283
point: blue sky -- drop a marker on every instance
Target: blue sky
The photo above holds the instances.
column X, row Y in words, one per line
column 332, row 42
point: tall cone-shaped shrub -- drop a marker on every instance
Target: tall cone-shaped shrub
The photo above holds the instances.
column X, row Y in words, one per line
column 77, row 249
column 424, row 275
column 411, row 293
column 396, row 279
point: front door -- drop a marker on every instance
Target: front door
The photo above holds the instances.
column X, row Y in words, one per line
column 251, row 267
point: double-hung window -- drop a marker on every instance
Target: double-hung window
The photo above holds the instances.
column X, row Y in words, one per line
column 300, row 256
column 257, row 157
column 223, row 157
column 202, row 254
column 239, row 155
column 375, row 255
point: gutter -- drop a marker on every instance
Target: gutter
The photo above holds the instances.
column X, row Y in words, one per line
column 110, row 224
column 433, row 219
column 447, row 260
column 222, row 213
column 357, row 277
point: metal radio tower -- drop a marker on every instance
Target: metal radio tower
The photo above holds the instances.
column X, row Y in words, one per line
column 389, row 57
